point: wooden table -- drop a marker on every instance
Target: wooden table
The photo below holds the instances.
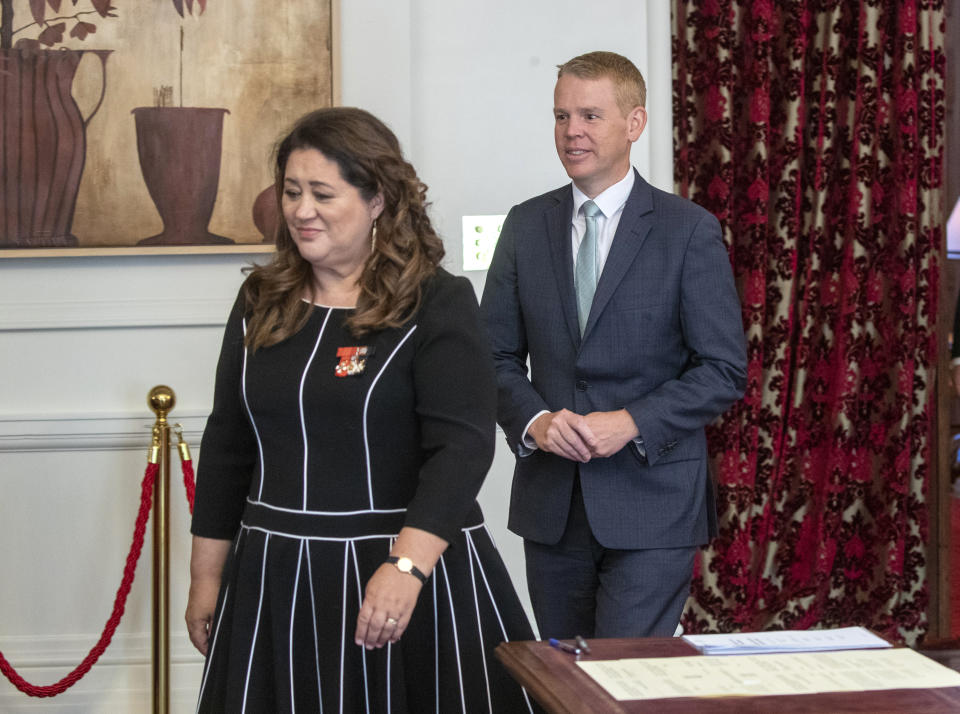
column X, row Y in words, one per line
column 556, row 682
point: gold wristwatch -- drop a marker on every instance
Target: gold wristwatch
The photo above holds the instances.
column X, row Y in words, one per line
column 405, row 565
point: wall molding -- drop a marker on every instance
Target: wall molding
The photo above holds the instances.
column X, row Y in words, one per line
column 114, row 313
column 119, row 681
column 90, row 432
column 129, row 700
column 33, row 651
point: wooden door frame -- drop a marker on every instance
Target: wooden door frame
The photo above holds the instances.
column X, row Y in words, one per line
column 940, row 487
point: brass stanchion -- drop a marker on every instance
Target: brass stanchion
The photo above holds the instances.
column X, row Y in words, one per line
column 161, row 400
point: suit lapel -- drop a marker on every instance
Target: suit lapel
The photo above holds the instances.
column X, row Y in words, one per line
column 635, row 224
column 561, row 256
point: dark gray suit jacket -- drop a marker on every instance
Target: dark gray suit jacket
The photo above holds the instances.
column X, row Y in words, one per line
column 664, row 340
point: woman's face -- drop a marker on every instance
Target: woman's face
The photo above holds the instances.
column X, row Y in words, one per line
column 329, row 220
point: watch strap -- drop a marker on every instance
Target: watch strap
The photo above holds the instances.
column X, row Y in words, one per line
column 414, row 570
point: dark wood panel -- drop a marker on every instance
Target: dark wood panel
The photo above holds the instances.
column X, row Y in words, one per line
column 561, row 687
column 948, row 406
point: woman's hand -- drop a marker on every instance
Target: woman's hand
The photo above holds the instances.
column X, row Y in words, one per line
column 388, row 603
column 201, row 603
column 390, row 595
column 206, row 564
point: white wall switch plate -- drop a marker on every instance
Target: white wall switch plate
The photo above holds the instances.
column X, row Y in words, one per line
column 480, row 234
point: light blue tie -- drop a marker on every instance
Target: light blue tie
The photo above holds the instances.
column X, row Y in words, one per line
column 587, row 273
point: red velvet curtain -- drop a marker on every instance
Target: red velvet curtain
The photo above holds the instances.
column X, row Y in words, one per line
column 814, row 131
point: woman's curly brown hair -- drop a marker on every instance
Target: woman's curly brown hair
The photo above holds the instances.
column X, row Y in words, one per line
column 406, row 251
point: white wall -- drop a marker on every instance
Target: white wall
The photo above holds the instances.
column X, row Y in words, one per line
column 468, row 89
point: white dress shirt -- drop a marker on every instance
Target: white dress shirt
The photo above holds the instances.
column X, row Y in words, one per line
column 610, row 202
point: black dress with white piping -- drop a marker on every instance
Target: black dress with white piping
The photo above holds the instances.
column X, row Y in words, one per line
column 316, row 454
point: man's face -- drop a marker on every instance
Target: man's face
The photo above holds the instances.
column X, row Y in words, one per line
column 593, row 137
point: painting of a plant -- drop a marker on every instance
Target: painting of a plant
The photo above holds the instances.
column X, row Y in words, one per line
column 51, row 18
column 44, row 137
column 98, row 99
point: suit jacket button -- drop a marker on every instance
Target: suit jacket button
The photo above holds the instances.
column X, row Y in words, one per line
column 581, row 385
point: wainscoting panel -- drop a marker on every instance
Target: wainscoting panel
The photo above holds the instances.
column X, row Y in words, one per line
column 86, row 432
column 67, row 523
column 143, row 312
column 120, row 682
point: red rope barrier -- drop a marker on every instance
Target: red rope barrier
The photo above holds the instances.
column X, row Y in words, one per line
column 189, row 481
column 120, row 602
column 186, row 463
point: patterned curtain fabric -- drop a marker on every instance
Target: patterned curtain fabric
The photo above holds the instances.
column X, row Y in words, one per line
column 814, row 131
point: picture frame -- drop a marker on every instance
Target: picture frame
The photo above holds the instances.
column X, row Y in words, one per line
column 148, row 128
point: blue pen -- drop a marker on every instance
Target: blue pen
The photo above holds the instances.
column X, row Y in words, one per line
column 564, row 646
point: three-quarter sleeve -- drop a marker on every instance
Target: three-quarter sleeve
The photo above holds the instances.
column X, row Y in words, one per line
column 228, row 448
column 455, row 405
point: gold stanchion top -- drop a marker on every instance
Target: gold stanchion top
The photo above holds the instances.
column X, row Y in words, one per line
column 161, row 400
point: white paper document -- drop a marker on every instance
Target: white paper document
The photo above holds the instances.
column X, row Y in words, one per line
column 845, row 638
column 765, row 675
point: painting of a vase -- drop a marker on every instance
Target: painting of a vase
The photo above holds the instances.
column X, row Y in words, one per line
column 91, row 168
column 179, row 150
column 42, row 145
column 266, row 213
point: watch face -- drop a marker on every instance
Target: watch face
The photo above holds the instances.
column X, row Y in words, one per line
column 405, row 565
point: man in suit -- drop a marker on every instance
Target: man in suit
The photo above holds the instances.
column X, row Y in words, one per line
column 622, row 298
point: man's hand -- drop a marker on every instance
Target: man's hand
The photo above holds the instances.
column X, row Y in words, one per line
column 610, row 430
column 565, row 434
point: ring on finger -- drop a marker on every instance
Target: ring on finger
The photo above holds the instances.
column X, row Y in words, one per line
column 392, row 621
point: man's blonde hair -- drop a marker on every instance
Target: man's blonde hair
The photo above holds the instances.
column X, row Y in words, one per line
column 628, row 84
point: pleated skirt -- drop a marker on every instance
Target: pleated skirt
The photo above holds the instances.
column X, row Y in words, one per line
column 283, row 634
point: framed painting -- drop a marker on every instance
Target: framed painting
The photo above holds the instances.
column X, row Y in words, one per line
column 148, row 126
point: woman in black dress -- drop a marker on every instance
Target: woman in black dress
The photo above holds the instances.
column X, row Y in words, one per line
column 340, row 561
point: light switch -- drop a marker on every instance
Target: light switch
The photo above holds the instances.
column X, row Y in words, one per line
column 480, row 234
